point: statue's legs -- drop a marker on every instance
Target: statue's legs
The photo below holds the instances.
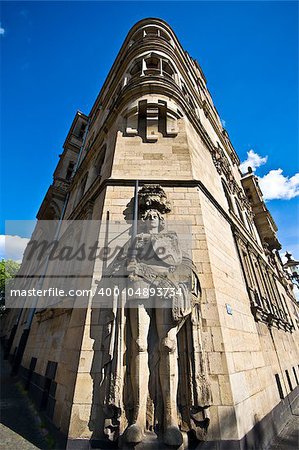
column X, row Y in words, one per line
column 139, row 324
column 168, row 372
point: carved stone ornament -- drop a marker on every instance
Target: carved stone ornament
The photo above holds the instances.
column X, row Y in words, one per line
column 223, row 166
column 270, row 256
column 206, row 108
column 241, row 242
column 61, row 184
column 154, row 368
column 152, row 196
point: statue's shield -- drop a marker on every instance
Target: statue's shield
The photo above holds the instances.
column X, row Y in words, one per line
column 166, row 247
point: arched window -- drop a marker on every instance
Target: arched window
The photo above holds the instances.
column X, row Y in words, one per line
column 153, row 65
column 136, row 68
column 138, row 35
column 165, row 35
column 167, row 69
column 150, row 64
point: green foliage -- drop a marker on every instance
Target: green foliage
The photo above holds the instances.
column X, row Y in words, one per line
column 8, row 270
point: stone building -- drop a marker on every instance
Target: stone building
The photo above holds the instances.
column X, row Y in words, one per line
column 154, row 121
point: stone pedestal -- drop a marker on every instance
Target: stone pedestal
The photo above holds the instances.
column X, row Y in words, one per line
column 151, row 442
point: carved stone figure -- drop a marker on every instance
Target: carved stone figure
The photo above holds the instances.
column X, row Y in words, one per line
column 154, row 375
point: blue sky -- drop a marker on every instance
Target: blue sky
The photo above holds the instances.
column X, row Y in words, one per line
column 56, row 55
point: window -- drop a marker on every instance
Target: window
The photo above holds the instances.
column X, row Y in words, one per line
column 151, row 31
column 267, row 304
column 48, row 398
column 167, row 69
column 153, row 65
column 289, row 380
column 136, row 69
column 70, row 170
column 82, row 130
column 138, row 35
column 30, row 372
column 279, row 387
column 279, row 300
column 81, row 188
column 164, row 35
column 79, row 130
column 100, row 161
column 296, row 313
column 295, row 375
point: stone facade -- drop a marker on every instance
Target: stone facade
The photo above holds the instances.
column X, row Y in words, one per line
column 154, row 121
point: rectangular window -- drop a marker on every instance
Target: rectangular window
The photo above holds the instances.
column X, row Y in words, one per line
column 295, row 375
column 289, row 380
column 69, row 171
column 48, row 398
column 32, row 363
column 247, row 270
column 51, row 370
column 279, row 387
column 81, row 131
column 30, row 372
column 81, row 188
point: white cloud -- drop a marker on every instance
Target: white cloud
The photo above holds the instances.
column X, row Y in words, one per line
column 254, row 160
column 223, row 122
column 275, row 185
column 2, row 30
column 12, row 247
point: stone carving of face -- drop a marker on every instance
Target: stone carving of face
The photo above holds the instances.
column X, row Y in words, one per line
column 152, row 221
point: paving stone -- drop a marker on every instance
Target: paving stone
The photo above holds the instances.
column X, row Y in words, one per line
column 20, row 427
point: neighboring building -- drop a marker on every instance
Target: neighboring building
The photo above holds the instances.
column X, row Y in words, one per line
column 154, row 121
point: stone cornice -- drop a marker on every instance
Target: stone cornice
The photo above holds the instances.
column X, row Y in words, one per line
column 96, row 188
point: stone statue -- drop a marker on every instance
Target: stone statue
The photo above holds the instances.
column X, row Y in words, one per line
column 153, row 365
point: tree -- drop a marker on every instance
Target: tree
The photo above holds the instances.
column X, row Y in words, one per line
column 8, row 270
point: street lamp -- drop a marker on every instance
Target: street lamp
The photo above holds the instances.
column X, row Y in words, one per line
column 292, row 267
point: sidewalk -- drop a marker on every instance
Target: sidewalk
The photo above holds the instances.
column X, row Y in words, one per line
column 288, row 439
column 20, row 427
